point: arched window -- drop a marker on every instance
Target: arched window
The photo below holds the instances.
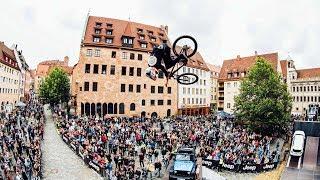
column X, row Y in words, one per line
column 93, row 109
column 105, row 108
column 110, row 108
column 132, row 107
column 99, row 109
column 121, row 108
column 115, row 108
column 82, row 108
column 87, row 109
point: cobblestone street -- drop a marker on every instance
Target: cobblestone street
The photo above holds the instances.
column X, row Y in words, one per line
column 59, row 161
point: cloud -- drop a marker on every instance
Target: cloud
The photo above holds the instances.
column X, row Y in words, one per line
column 223, row 29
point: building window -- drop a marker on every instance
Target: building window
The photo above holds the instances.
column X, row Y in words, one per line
column 143, row 102
column 141, row 37
column 89, row 52
column 131, row 71
column 109, row 32
column 87, row 68
column 96, row 39
column 132, row 107
column 143, row 45
column 228, row 105
column 123, row 88
column 169, row 101
column 124, row 55
column 138, row 71
column 130, row 41
column 311, row 88
column 153, row 89
column 132, row 56
column 123, row 71
column 138, row 88
column 94, row 86
column 97, row 31
column 130, row 87
column 161, row 75
column 160, row 89
column 86, row 86
column 160, row 102
column 169, row 90
column 95, row 69
column 109, row 40
column 109, row 25
column 140, row 58
column 104, row 69
column 97, row 52
column 98, row 24
column 140, row 30
column 145, row 86
column 121, row 108
column 152, row 102
column 153, row 39
column 112, row 70
column 113, row 54
column 293, row 89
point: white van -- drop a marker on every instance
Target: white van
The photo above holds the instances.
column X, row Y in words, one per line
column 297, row 143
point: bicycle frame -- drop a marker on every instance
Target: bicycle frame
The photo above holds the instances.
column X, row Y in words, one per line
column 174, row 71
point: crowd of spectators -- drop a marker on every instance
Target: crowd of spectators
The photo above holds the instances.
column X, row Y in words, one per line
column 21, row 133
column 133, row 147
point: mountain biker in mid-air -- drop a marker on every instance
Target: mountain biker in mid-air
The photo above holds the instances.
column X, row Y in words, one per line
column 161, row 59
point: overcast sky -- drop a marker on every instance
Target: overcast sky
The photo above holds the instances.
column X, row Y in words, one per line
column 46, row 29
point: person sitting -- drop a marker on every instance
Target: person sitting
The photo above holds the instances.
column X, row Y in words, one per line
column 161, row 59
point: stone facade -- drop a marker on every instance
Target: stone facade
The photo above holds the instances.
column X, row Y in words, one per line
column 109, row 78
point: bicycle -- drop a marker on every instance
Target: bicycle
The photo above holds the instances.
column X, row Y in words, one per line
column 188, row 51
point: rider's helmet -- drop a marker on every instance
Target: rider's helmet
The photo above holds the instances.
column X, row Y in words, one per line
column 151, row 72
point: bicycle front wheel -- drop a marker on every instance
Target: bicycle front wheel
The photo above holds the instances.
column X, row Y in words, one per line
column 187, row 78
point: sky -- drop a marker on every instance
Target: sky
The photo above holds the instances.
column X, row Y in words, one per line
column 52, row 29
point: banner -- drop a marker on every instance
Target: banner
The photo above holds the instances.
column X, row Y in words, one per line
column 248, row 168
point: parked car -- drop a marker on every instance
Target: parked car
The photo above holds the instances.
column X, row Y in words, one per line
column 184, row 165
column 297, row 143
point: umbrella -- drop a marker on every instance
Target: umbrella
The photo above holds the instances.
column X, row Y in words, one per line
column 20, row 104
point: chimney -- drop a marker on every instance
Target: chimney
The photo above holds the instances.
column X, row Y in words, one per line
column 66, row 60
column 164, row 28
column 238, row 57
column 255, row 53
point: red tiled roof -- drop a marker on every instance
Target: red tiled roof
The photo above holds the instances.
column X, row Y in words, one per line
column 120, row 28
column 284, row 67
column 5, row 51
column 243, row 64
column 52, row 62
column 308, row 73
column 196, row 61
column 215, row 69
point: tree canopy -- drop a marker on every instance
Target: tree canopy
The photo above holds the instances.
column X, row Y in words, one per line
column 56, row 87
column 264, row 103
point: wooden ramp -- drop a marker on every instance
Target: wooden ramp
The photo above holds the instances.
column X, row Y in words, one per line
column 311, row 153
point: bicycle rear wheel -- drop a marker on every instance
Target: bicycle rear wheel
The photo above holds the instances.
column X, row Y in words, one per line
column 185, row 44
column 187, row 78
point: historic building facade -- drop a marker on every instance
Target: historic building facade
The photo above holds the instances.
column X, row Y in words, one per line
column 214, row 76
column 232, row 71
column 194, row 99
column 303, row 84
column 110, row 75
column 9, row 79
column 45, row 67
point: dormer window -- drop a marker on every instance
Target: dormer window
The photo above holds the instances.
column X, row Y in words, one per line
column 229, row 75
column 141, row 37
column 143, row 45
column 98, row 24
column 109, row 40
column 109, row 32
column 96, row 39
column 161, row 34
column 151, row 32
column 140, row 30
column 109, row 25
column 97, row 31
column 126, row 41
column 153, row 39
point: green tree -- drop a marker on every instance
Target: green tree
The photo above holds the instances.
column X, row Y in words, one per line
column 56, row 87
column 264, row 104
